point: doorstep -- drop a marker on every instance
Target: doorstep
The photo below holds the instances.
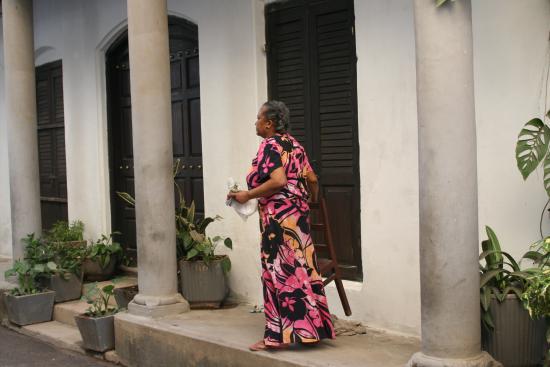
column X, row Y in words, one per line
column 221, row 338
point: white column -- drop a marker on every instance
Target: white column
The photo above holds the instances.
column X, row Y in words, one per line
column 20, row 94
column 448, row 187
column 152, row 140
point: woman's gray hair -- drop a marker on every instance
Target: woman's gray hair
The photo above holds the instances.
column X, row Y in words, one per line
column 278, row 112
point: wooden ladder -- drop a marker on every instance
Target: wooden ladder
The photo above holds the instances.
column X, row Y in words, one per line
column 329, row 266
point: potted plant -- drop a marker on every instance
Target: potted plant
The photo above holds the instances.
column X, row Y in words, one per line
column 101, row 258
column 64, row 234
column 124, row 295
column 509, row 334
column 202, row 273
column 536, row 297
column 96, row 325
column 66, row 279
column 28, row 303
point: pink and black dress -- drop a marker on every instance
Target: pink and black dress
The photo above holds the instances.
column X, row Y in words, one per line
column 295, row 304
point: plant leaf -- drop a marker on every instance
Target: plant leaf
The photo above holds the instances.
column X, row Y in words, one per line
column 486, row 277
column 531, row 146
column 226, row 264
column 204, row 223
column 192, row 253
column 485, row 298
column 228, row 243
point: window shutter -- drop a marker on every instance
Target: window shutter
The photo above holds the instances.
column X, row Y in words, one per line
column 51, row 143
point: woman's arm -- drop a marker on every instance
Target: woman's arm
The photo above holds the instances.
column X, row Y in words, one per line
column 312, row 185
column 276, row 181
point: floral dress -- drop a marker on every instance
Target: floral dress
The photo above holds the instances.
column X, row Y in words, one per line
column 295, row 304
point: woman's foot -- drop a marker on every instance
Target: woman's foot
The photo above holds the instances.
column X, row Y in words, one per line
column 262, row 346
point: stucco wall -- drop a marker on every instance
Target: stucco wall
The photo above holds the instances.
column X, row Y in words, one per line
column 511, row 64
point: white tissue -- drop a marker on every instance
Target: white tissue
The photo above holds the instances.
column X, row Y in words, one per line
column 244, row 210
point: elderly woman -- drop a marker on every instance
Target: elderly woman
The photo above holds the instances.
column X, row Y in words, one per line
column 282, row 179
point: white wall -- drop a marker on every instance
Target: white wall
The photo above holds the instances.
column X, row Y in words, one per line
column 511, row 51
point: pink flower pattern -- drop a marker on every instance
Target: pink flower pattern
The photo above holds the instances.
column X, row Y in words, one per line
column 295, row 304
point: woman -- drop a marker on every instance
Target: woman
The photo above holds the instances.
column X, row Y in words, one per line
column 294, row 299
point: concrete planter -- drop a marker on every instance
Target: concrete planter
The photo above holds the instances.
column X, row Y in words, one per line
column 30, row 309
column 204, row 286
column 124, row 295
column 65, row 289
column 98, row 333
column 517, row 340
column 94, row 272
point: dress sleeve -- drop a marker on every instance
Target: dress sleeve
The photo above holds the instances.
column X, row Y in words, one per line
column 269, row 159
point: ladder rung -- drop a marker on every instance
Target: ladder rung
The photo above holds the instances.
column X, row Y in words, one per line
column 317, row 227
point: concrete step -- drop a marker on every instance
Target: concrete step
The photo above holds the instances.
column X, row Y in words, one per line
column 55, row 333
column 221, row 338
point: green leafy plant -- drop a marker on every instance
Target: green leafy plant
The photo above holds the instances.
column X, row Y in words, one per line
column 64, row 232
column 536, row 298
column 192, row 243
column 103, row 250
column 28, row 275
column 98, row 299
column 67, row 256
column 500, row 275
column 37, row 250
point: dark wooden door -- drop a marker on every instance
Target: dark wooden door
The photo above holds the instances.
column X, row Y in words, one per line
column 51, row 143
column 312, row 68
column 186, row 126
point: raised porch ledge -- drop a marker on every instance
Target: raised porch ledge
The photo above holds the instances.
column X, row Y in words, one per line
column 221, row 338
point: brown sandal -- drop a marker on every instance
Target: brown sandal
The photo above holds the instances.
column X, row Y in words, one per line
column 262, row 346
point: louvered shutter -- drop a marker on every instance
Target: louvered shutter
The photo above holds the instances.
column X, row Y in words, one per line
column 312, row 68
column 51, row 143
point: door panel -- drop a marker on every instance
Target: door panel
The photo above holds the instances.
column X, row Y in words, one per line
column 186, row 142
column 51, row 143
column 312, row 68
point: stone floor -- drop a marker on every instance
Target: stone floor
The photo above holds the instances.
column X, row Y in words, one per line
column 221, row 337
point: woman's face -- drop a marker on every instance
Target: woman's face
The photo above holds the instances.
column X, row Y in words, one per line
column 263, row 126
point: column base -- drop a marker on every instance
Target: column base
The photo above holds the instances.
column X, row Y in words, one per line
column 482, row 360
column 159, row 308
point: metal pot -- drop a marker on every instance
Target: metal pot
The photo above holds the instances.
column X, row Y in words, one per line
column 94, row 272
column 98, row 333
column 67, row 287
column 125, row 295
column 517, row 340
column 30, row 309
column 203, row 286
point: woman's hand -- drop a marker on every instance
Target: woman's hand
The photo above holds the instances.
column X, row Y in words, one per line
column 241, row 196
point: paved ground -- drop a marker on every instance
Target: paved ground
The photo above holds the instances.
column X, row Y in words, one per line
column 18, row 350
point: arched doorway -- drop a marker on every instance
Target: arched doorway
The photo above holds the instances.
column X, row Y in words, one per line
column 186, row 125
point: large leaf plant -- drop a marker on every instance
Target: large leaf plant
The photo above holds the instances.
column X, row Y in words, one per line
column 500, row 275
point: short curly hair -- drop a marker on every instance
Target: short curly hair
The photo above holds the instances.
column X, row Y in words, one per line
column 278, row 112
